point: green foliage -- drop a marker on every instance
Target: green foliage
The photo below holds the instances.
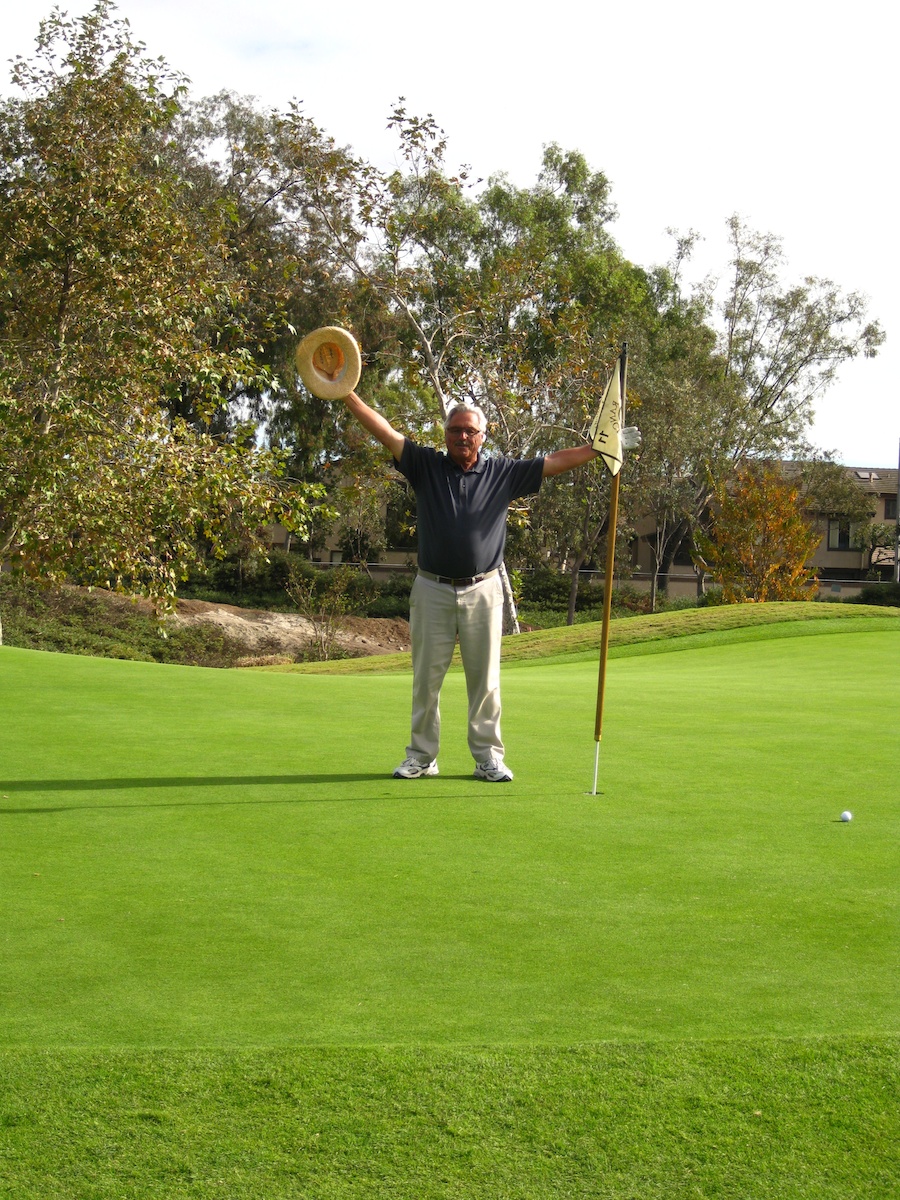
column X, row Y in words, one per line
column 391, row 598
column 159, row 260
column 713, row 597
column 77, row 621
column 716, row 385
column 261, row 582
column 877, row 593
column 545, row 587
column 872, row 537
column 677, row 603
column 826, row 487
column 325, row 598
column 545, row 598
column 349, row 582
column 785, row 344
column 115, row 295
column 262, row 169
column 74, row 620
column 252, row 580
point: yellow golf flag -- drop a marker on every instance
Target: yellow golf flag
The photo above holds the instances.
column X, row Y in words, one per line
column 605, row 433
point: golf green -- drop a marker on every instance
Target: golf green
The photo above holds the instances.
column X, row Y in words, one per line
column 200, row 858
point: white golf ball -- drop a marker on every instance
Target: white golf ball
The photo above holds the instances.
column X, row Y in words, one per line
column 846, row 816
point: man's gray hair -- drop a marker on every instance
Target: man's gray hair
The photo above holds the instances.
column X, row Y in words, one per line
column 477, row 412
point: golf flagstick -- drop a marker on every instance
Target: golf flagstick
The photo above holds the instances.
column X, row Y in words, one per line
column 606, row 437
column 604, row 631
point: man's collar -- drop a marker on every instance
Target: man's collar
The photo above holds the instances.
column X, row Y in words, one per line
column 475, row 469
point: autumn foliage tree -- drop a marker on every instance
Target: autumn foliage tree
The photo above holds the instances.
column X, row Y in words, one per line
column 759, row 542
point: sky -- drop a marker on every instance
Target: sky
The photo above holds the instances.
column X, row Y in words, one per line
column 783, row 112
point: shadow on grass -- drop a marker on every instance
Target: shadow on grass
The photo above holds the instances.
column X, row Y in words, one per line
column 175, row 781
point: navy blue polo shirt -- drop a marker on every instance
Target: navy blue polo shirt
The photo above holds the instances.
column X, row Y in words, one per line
column 462, row 514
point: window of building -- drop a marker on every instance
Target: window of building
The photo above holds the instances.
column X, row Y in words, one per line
column 890, row 508
column 838, row 534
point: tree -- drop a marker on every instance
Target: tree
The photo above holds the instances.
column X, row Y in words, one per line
column 759, row 542
column 254, row 166
column 325, row 599
column 872, row 538
column 708, row 409
column 785, row 344
column 115, row 292
column 828, row 489
column 514, row 299
column 677, row 396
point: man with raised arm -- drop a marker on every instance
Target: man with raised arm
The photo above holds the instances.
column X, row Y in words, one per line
column 462, row 500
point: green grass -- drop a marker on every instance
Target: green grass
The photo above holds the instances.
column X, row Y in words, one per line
column 665, row 631
column 797, row 1120
column 240, row 960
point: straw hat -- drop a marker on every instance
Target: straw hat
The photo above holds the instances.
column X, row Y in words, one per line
column 329, row 362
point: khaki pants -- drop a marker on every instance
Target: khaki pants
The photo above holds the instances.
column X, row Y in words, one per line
column 439, row 614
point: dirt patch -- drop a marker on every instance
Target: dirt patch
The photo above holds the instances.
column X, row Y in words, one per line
column 273, row 635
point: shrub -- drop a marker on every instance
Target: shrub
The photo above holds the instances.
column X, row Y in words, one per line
column 545, row 588
column 391, row 597
column 325, row 599
column 677, row 603
column 245, row 582
column 74, row 621
column 877, row 593
column 712, row 598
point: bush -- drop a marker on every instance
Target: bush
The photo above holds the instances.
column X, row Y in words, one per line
column 325, row 599
column 73, row 621
column 677, row 603
column 553, row 618
column 391, row 598
column 878, row 593
column 711, row 598
column 544, row 588
column 627, row 599
column 264, row 585
column 548, row 590
column 246, row 583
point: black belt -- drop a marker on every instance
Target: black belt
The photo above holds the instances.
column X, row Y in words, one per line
column 456, row 582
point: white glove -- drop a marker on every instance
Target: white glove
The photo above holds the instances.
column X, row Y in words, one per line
column 630, row 437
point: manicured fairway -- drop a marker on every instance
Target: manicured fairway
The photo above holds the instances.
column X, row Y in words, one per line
column 198, row 858
column 240, row 962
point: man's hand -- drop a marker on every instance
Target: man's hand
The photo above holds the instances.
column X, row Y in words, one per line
column 631, row 437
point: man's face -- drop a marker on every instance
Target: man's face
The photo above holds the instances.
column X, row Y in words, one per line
column 463, row 438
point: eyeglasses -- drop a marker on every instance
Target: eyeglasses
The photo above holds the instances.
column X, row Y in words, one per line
column 458, row 432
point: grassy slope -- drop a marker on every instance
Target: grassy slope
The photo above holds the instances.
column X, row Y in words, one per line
column 584, row 640
column 191, row 862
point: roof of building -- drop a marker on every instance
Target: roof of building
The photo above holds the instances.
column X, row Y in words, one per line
column 878, row 480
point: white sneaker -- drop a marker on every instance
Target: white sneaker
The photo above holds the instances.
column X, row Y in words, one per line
column 494, row 770
column 411, row 768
